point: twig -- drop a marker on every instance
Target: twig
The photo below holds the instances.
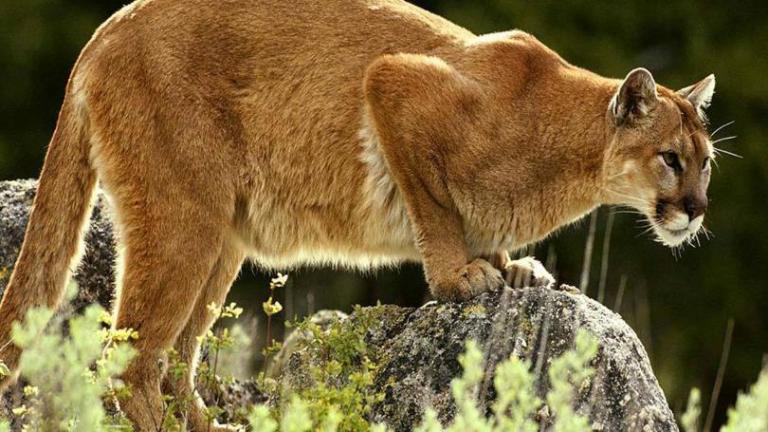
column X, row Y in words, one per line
column 550, row 263
column 604, row 258
column 643, row 317
column 310, row 300
column 268, row 341
column 542, row 352
column 212, row 377
column 620, row 294
column 720, row 375
column 166, row 409
column 584, row 283
column 289, row 312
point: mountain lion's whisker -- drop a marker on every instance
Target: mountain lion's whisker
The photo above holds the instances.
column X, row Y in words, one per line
column 712, row 135
column 717, row 165
column 623, row 173
column 719, row 150
column 629, row 212
column 647, row 230
column 623, row 194
column 728, row 138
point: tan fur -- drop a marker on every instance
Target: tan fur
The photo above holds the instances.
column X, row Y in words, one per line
column 345, row 132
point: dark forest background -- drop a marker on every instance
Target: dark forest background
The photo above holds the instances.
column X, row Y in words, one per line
column 680, row 306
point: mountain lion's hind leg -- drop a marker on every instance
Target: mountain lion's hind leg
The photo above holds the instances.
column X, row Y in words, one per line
column 188, row 344
column 169, row 255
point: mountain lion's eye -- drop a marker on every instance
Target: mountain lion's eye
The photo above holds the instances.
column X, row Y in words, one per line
column 705, row 165
column 672, row 160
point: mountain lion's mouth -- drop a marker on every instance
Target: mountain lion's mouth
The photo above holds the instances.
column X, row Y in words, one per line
column 672, row 228
column 672, row 237
column 680, row 232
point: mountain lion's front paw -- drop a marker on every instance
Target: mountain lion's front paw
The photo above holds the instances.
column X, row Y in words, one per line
column 471, row 280
column 527, row 272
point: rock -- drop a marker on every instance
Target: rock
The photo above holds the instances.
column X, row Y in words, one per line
column 418, row 351
column 94, row 276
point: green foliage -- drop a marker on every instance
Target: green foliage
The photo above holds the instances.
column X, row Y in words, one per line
column 692, row 415
column 225, row 347
column 516, row 403
column 69, row 375
column 515, row 397
column 567, row 375
column 749, row 415
column 235, row 361
column 343, row 380
column 261, row 419
column 464, row 389
column 430, row 422
column 296, row 417
column 751, row 411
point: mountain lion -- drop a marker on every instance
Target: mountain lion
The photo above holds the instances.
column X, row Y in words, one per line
column 348, row 132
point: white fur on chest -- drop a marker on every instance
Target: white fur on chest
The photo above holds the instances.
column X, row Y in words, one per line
column 387, row 223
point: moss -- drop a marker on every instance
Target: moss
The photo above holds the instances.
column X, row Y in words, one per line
column 475, row 310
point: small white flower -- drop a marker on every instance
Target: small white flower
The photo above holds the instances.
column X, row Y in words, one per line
column 279, row 281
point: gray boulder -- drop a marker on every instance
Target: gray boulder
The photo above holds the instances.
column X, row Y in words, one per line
column 418, row 351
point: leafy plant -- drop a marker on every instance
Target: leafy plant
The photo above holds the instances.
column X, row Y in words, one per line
column 751, row 411
column 342, row 371
column 690, row 418
column 69, row 375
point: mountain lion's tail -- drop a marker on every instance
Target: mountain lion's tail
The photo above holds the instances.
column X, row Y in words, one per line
column 55, row 230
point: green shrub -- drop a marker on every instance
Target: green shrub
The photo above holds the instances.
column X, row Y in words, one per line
column 751, row 411
column 692, row 415
column 70, row 375
column 342, row 372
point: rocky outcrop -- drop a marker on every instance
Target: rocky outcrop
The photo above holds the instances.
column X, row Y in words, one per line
column 419, row 348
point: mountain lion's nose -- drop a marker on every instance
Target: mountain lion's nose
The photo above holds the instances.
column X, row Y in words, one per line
column 694, row 206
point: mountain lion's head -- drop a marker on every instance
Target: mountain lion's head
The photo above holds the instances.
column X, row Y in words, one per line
column 660, row 154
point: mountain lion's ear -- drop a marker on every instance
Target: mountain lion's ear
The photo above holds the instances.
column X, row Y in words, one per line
column 635, row 97
column 700, row 94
